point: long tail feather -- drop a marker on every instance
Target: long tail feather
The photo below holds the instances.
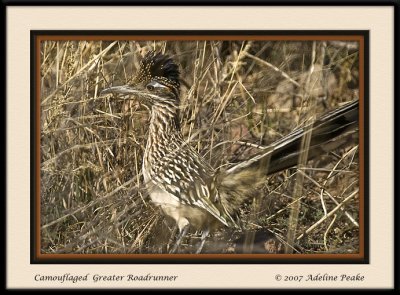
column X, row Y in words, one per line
column 330, row 131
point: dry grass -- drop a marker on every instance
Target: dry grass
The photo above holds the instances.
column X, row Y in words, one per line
column 92, row 196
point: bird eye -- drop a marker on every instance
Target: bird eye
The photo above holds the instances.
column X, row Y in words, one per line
column 150, row 87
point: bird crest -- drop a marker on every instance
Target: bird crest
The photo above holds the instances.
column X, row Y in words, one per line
column 159, row 67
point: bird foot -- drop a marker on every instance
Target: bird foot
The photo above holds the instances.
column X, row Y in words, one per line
column 179, row 240
column 203, row 240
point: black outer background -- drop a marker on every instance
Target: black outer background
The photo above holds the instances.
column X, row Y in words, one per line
column 393, row 3
column 202, row 2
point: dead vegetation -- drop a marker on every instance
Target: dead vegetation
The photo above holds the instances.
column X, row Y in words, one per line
column 236, row 96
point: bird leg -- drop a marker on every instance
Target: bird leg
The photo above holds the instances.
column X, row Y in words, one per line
column 182, row 233
column 203, row 240
column 172, row 236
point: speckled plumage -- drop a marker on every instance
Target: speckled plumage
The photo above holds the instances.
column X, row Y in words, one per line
column 177, row 178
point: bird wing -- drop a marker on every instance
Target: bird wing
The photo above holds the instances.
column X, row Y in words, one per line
column 188, row 178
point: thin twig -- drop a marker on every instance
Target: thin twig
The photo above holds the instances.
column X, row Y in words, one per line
column 311, row 228
column 272, row 67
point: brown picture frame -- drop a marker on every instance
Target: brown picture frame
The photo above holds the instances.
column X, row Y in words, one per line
column 361, row 37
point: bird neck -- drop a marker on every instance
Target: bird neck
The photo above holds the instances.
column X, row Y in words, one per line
column 164, row 121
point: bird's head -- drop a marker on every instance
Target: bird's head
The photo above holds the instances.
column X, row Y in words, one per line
column 156, row 82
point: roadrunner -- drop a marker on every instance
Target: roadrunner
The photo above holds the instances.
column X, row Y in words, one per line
column 182, row 183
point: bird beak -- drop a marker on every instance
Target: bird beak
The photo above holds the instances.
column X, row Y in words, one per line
column 120, row 90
